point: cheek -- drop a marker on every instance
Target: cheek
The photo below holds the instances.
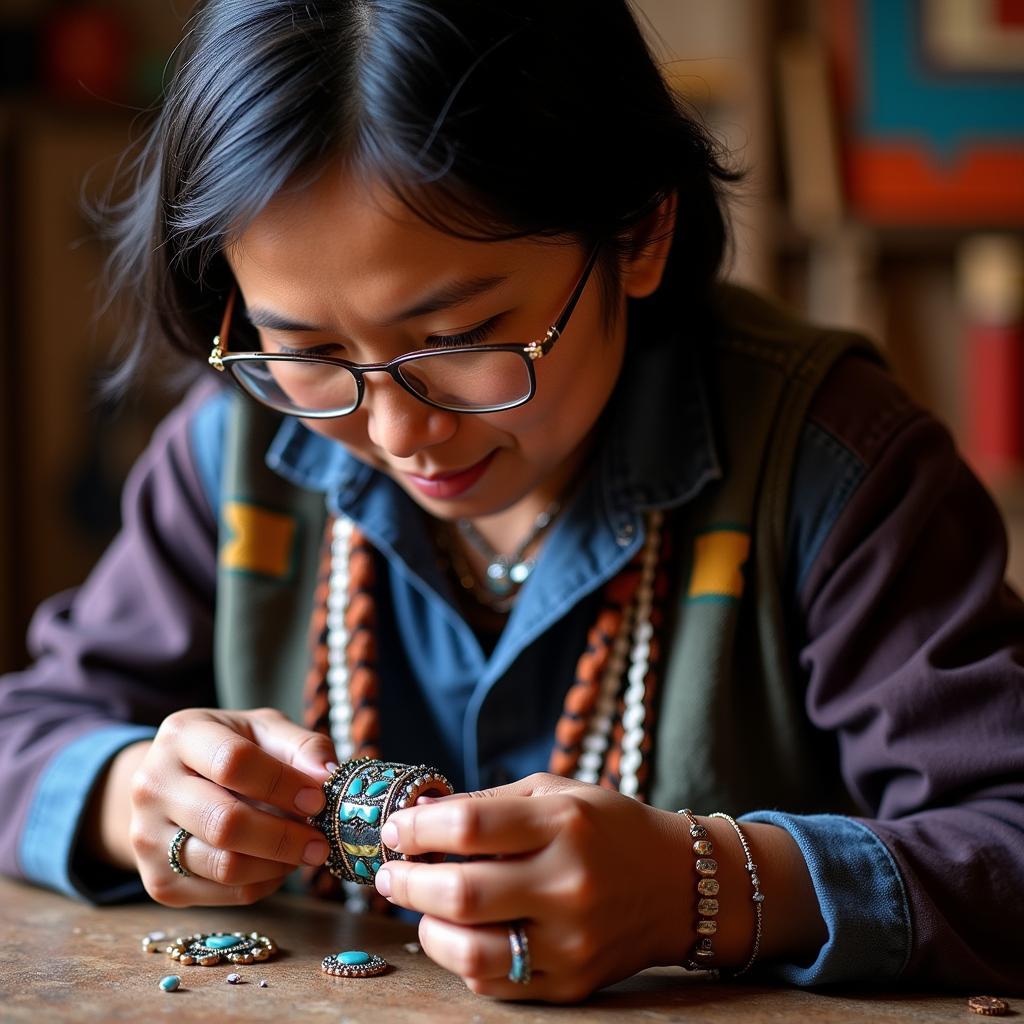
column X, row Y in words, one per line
column 571, row 395
column 349, row 431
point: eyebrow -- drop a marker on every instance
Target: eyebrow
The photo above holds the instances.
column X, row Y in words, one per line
column 452, row 294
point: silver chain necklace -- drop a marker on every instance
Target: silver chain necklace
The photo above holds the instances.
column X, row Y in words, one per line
column 506, row 572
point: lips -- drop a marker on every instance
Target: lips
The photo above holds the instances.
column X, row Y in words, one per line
column 453, row 483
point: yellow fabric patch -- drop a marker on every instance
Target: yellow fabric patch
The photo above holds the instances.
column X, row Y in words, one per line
column 261, row 541
column 718, row 558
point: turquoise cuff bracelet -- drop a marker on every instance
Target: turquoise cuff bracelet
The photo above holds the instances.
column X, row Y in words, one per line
column 361, row 795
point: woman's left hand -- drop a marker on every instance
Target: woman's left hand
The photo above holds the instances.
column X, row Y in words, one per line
column 595, row 878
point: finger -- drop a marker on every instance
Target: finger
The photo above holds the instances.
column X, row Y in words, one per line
column 226, row 867
column 468, row 893
column 223, row 821
column 481, row 953
column 311, row 753
column 500, row 825
column 217, row 752
column 174, row 891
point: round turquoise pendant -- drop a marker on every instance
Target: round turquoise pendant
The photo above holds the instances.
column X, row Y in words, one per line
column 354, row 963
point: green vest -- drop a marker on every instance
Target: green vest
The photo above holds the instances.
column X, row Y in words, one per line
column 731, row 731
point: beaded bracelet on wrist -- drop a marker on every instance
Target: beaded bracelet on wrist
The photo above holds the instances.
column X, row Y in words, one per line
column 703, row 951
column 757, row 898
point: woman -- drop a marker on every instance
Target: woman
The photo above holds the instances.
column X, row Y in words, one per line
column 550, row 506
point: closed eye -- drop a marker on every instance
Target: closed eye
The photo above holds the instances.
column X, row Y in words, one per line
column 474, row 336
column 312, row 350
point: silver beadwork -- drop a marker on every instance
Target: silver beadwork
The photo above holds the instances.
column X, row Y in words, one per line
column 757, row 898
column 174, row 853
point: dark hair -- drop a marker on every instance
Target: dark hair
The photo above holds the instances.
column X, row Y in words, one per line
column 491, row 119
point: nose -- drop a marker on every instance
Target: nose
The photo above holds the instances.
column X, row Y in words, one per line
column 399, row 423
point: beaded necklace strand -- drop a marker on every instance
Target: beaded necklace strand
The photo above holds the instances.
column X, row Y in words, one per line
column 604, row 734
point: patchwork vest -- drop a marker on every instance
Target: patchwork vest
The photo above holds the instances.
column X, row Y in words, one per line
column 731, row 731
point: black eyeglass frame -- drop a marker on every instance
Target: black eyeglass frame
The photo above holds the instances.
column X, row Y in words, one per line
column 220, row 359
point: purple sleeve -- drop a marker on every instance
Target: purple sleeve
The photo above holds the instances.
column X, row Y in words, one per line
column 112, row 659
column 913, row 652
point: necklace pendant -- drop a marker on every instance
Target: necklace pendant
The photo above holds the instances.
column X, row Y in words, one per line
column 498, row 579
column 519, row 572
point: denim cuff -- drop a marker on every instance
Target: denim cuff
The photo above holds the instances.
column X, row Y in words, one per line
column 861, row 896
column 48, row 843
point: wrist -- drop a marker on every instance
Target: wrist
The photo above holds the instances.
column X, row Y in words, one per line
column 107, row 820
column 676, row 934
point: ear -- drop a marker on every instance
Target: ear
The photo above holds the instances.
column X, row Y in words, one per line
column 651, row 241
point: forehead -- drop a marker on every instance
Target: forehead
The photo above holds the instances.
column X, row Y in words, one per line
column 342, row 232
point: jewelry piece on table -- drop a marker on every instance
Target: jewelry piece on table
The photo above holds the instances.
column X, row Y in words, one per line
column 155, row 942
column 988, row 1006
column 521, row 971
column 354, row 963
column 361, row 795
column 209, row 948
column 174, row 852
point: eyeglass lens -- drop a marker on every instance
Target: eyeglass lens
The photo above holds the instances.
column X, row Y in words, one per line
column 454, row 380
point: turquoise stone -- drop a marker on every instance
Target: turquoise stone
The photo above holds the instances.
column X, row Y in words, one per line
column 357, row 786
column 220, row 941
column 376, row 866
column 362, row 870
column 389, row 774
column 377, row 788
column 354, row 957
column 170, row 983
column 348, row 811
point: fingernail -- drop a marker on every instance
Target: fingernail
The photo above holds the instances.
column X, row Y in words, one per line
column 315, row 852
column 389, row 836
column 309, row 801
column 332, row 767
column 382, row 880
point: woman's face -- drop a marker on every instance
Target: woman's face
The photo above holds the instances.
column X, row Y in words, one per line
column 350, row 262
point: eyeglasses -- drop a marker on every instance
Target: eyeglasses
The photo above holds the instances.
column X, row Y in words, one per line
column 472, row 379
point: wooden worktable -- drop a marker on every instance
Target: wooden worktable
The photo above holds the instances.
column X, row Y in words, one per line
column 62, row 960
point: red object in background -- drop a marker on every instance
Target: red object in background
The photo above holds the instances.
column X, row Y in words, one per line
column 995, row 370
column 991, row 279
column 86, row 53
column 1010, row 12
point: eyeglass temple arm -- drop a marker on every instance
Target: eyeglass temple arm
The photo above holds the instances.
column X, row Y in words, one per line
column 218, row 351
column 539, row 349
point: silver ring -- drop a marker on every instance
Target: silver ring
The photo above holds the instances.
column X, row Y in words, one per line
column 521, row 971
column 174, row 852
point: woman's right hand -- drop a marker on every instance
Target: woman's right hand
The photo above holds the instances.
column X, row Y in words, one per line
column 242, row 783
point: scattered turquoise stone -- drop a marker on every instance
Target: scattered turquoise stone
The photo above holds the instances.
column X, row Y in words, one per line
column 377, row 787
column 170, row 983
column 362, row 870
column 357, row 786
column 354, row 957
column 220, row 941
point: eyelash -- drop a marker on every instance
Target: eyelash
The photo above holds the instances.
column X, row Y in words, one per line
column 472, row 337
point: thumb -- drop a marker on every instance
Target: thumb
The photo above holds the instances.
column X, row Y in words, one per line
column 538, row 784
column 309, row 752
